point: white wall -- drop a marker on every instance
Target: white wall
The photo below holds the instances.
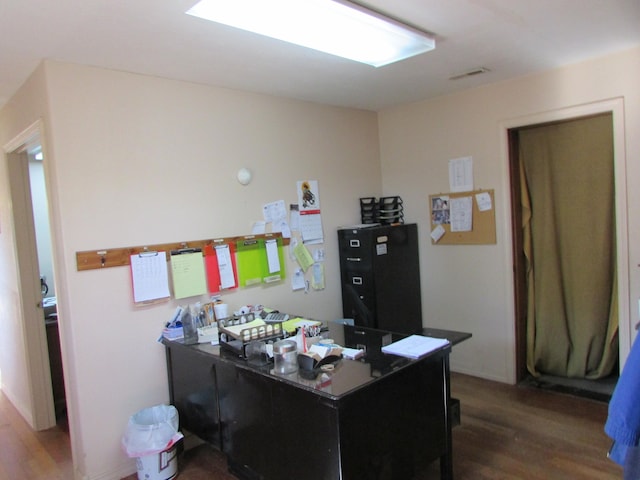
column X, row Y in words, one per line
column 19, row 113
column 137, row 160
column 470, row 288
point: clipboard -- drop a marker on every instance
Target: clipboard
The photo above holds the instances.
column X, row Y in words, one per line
column 149, row 277
column 221, row 276
column 187, row 268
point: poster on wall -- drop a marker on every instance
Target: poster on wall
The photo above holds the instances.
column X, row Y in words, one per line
column 310, row 219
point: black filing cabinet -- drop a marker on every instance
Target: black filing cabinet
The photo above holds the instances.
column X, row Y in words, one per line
column 380, row 277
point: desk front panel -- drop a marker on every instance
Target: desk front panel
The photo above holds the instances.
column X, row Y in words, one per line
column 193, row 392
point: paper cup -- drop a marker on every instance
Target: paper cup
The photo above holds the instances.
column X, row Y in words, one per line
column 221, row 310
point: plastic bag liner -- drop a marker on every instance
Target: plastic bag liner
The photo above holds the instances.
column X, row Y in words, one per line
column 152, row 430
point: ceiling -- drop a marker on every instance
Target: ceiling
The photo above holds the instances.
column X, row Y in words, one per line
column 154, row 37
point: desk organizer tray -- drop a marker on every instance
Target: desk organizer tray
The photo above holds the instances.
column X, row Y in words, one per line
column 390, row 210
column 236, row 333
column 386, row 210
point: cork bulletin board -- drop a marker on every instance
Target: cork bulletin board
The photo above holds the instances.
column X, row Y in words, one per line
column 447, row 218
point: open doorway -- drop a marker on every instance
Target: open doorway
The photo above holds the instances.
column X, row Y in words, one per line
column 42, row 230
column 566, row 316
column 39, row 409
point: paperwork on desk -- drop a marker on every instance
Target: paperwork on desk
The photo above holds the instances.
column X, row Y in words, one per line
column 236, row 330
column 292, row 325
column 352, row 353
column 415, row 346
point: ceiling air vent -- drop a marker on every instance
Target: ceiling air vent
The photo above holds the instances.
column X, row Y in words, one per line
column 470, row 73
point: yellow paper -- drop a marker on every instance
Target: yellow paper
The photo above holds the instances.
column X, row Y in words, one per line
column 188, row 275
column 303, row 256
column 292, row 324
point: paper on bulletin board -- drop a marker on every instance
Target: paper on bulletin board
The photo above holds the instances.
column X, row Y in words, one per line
column 149, row 277
column 189, row 277
column 483, row 199
column 466, row 218
column 461, row 211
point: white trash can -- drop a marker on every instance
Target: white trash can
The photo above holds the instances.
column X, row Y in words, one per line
column 158, row 466
column 151, row 438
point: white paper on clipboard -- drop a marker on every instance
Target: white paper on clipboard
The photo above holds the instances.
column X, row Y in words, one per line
column 149, row 276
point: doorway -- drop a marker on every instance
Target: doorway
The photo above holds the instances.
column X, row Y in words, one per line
column 42, row 229
column 40, row 411
column 556, row 353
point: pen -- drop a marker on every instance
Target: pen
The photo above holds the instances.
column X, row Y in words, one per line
column 304, row 340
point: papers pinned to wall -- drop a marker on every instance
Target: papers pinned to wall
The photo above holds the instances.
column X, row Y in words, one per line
column 464, row 218
column 310, row 219
column 461, row 174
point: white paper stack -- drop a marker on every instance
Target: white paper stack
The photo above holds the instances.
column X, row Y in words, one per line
column 415, row 346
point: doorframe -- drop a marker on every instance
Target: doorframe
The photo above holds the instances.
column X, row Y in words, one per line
column 615, row 106
column 35, row 337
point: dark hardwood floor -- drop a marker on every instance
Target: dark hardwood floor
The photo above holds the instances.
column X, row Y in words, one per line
column 507, row 432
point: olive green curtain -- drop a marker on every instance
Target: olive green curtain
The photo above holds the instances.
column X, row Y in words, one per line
column 567, row 180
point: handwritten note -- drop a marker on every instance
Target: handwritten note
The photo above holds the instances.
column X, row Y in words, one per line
column 483, row 199
column 188, row 274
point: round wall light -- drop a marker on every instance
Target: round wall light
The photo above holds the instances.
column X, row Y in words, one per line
column 244, row 176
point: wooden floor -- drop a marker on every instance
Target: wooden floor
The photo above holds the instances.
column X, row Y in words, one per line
column 507, row 433
column 29, row 455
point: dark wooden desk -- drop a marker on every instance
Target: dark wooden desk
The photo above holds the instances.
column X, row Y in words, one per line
column 382, row 417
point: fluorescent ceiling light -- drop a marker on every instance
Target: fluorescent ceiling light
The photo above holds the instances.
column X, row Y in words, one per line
column 333, row 26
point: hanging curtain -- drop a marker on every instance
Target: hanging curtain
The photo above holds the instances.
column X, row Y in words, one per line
column 569, row 238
